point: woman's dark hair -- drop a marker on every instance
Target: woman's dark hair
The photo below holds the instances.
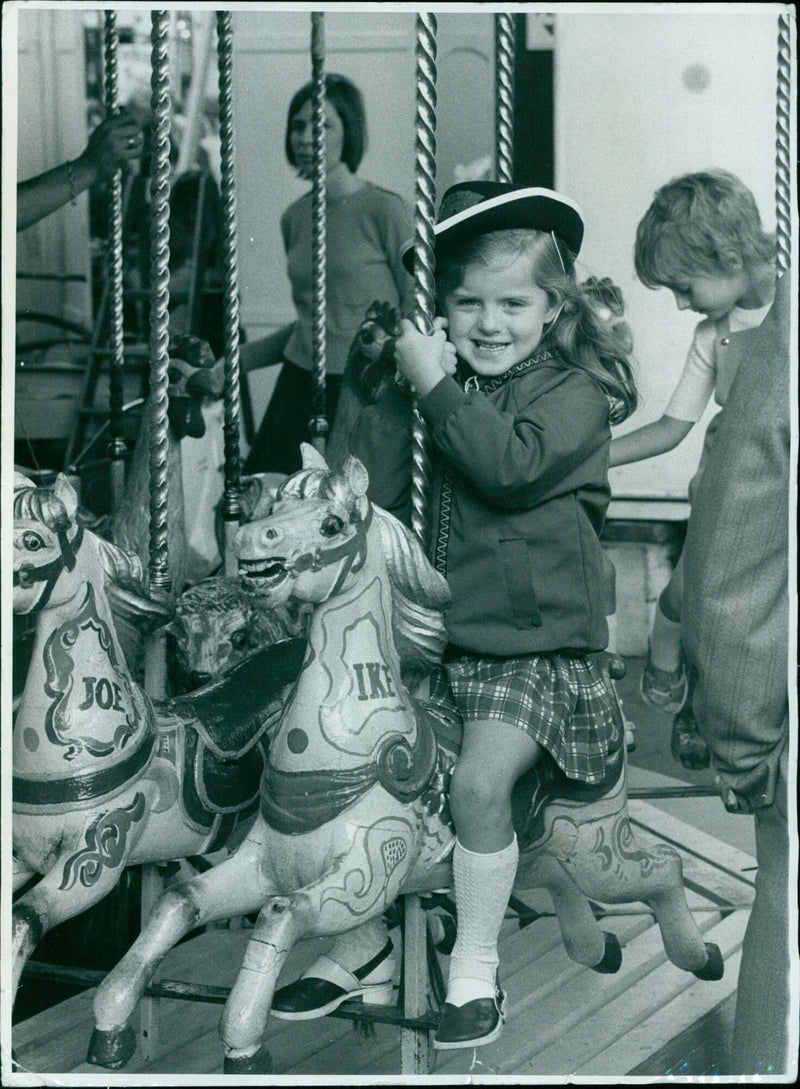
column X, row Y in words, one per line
column 346, row 99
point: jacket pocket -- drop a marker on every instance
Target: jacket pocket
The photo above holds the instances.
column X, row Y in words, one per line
column 519, row 584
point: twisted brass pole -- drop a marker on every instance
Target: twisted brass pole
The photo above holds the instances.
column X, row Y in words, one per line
column 231, row 506
column 116, row 443
column 504, row 47
column 318, row 424
column 159, row 301
column 424, row 261
column 783, row 187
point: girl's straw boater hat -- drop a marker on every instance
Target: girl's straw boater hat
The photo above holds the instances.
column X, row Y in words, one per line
column 475, row 207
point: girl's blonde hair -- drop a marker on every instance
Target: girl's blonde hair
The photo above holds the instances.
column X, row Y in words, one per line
column 578, row 334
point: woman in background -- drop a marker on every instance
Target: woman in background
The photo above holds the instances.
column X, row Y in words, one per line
column 365, row 230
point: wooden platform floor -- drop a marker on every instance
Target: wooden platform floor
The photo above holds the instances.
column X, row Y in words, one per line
column 563, row 1019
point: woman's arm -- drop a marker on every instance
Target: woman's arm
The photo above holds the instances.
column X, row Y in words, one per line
column 645, row 442
column 113, row 142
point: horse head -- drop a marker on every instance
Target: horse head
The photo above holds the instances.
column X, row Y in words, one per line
column 314, row 537
column 47, row 538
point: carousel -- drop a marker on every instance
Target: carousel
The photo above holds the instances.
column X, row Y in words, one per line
column 277, row 781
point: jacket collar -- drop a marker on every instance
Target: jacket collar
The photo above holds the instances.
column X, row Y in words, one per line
column 471, row 381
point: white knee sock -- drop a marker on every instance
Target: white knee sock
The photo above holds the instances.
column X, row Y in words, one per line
column 482, row 885
column 665, row 643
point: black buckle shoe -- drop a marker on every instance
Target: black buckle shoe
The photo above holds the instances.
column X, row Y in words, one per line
column 327, row 985
column 475, row 1023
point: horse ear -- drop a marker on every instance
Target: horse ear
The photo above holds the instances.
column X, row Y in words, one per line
column 356, row 475
column 21, row 481
column 67, row 494
column 312, row 459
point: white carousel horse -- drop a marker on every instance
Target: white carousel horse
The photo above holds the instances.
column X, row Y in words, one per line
column 353, row 806
column 104, row 777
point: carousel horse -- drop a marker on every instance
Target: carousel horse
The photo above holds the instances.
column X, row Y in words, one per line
column 103, row 776
column 353, row 808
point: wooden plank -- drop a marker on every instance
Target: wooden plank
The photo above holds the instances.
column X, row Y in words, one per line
column 555, row 1011
column 631, row 1007
column 702, row 1049
column 642, row 1041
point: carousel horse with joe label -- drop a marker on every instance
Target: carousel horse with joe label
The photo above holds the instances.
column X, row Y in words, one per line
column 103, row 776
column 353, row 809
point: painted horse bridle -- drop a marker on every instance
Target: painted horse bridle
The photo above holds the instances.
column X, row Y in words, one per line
column 28, row 574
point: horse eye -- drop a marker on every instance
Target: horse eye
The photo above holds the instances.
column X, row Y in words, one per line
column 239, row 639
column 331, row 525
column 32, row 541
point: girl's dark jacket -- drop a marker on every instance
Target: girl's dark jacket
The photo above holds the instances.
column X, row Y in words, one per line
column 519, row 493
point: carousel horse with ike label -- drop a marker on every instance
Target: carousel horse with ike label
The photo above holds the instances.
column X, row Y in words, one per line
column 104, row 776
column 353, row 807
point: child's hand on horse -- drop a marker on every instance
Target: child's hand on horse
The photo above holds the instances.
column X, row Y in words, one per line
column 424, row 359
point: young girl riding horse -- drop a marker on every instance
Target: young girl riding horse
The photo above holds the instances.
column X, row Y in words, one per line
column 518, row 383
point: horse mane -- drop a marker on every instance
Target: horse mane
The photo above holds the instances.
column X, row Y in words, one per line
column 419, row 597
column 121, row 567
column 41, row 504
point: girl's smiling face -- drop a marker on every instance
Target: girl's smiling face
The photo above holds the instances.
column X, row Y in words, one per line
column 497, row 315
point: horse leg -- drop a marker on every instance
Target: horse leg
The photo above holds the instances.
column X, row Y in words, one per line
column 583, row 938
column 237, row 886
column 283, row 921
column 20, row 873
column 76, row 882
column 609, row 865
column 361, row 964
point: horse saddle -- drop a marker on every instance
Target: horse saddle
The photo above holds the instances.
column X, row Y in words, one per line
column 228, row 724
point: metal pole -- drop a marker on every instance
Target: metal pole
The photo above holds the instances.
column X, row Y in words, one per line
column 424, row 261
column 116, row 443
column 231, row 507
column 504, row 46
column 159, row 302
column 783, row 184
column 318, row 424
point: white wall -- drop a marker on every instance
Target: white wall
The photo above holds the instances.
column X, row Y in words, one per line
column 631, row 114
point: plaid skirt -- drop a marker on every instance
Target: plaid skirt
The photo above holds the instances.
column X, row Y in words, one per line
column 563, row 702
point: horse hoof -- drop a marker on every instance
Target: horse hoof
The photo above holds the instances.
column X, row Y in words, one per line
column 612, row 957
column 111, row 1048
column 714, row 967
column 259, row 1063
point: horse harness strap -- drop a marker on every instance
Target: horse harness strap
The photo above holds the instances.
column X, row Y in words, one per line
column 355, row 550
column 29, row 574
